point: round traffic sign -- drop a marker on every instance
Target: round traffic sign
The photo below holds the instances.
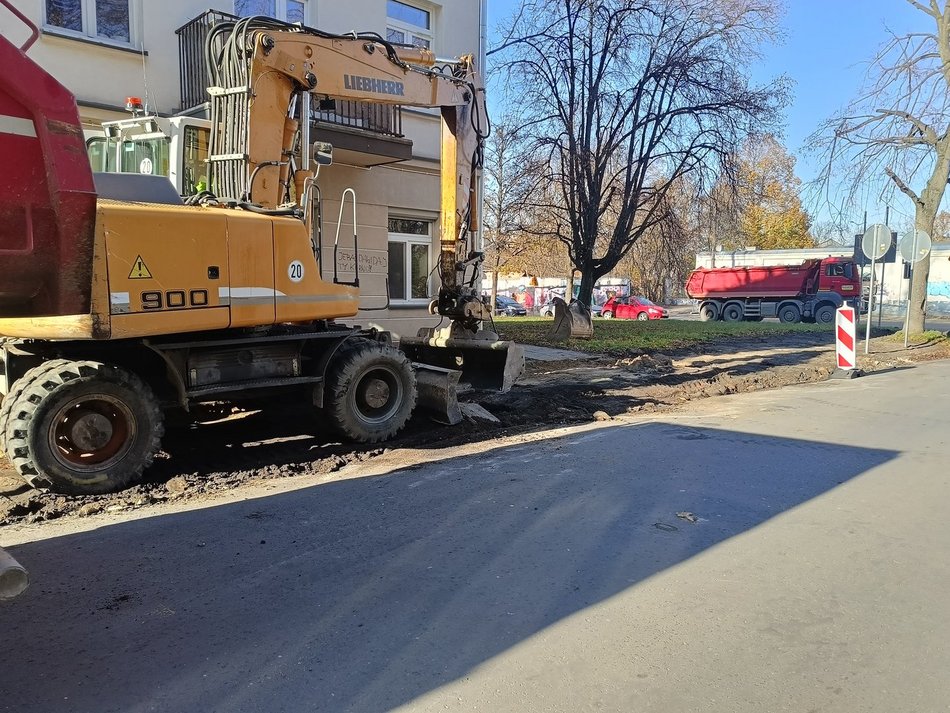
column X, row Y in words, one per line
column 914, row 245
column 876, row 241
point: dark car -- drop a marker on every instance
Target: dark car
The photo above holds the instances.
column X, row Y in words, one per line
column 508, row 307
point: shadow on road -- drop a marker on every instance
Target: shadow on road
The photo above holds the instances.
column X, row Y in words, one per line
column 364, row 594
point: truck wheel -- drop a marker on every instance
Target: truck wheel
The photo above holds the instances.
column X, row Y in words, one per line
column 708, row 312
column 790, row 314
column 732, row 312
column 83, row 428
column 6, row 406
column 371, row 391
column 825, row 314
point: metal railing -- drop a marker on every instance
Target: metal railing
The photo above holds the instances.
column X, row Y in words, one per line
column 192, row 67
column 193, row 75
column 378, row 118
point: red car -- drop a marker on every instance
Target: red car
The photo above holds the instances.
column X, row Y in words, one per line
column 635, row 307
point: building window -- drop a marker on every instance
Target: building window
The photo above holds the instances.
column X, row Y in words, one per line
column 109, row 20
column 408, row 25
column 409, row 242
column 287, row 10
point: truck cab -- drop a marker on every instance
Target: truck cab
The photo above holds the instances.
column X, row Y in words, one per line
column 840, row 275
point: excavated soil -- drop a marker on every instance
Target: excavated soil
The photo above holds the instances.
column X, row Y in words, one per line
column 238, row 447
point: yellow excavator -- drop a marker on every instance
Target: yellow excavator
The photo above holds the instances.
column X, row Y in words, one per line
column 120, row 301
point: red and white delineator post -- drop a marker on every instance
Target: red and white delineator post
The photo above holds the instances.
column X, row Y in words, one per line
column 845, row 343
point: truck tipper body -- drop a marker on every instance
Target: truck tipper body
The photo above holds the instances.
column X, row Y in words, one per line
column 811, row 291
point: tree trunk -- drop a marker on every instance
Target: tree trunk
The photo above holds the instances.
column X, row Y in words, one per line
column 494, row 288
column 586, row 290
column 917, row 304
column 918, row 297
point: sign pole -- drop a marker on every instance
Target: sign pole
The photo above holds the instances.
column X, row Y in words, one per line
column 867, row 334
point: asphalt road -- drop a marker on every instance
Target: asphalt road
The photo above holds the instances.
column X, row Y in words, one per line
column 546, row 576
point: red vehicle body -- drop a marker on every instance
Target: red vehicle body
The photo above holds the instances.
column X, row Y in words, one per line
column 811, row 291
column 47, row 195
column 632, row 308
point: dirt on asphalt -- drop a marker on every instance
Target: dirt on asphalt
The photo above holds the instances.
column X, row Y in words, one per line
column 238, row 447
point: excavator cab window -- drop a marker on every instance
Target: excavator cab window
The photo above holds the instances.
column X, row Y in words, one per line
column 144, row 155
column 194, row 160
column 98, row 150
column 140, row 154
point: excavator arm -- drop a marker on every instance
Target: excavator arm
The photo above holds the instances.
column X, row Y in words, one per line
column 262, row 72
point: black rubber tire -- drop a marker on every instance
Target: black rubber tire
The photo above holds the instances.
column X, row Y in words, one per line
column 732, row 312
column 790, row 314
column 70, row 386
column 709, row 312
column 825, row 315
column 6, row 406
column 362, row 364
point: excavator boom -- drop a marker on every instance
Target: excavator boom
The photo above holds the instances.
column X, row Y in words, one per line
column 263, row 72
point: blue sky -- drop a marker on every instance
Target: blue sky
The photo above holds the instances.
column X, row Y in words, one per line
column 826, row 43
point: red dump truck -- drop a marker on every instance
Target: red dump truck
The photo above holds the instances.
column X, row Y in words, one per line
column 809, row 292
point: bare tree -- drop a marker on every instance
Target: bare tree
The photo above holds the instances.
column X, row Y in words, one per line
column 664, row 254
column 627, row 97
column 899, row 127
column 717, row 209
column 510, row 181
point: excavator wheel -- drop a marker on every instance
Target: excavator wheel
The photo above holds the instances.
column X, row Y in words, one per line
column 83, row 428
column 370, row 391
column 6, row 406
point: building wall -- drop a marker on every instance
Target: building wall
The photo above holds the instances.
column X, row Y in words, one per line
column 894, row 284
column 101, row 74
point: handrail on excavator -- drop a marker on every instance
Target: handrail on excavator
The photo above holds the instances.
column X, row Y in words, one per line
column 34, row 30
column 356, row 242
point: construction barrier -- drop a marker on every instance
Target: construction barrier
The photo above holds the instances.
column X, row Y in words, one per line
column 845, row 340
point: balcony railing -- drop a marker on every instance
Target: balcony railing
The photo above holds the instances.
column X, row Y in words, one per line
column 378, row 118
column 385, row 120
column 192, row 67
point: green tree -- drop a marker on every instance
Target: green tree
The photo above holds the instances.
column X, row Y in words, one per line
column 771, row 216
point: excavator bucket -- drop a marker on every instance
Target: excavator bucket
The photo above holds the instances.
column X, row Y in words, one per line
column 438, row 393
column 484, row 360
column 571, row 321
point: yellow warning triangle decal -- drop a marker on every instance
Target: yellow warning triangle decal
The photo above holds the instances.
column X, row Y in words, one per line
column 139, row 270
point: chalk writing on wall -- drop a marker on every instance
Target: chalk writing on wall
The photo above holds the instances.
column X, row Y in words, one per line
column 370, row 261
